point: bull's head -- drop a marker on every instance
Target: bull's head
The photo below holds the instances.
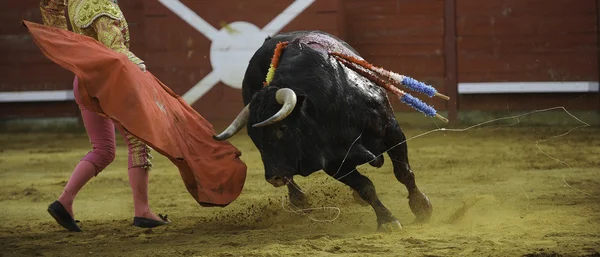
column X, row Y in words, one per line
column 277, row 131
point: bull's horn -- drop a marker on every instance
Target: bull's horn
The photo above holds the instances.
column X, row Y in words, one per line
column 236, row 125
column 284, row 96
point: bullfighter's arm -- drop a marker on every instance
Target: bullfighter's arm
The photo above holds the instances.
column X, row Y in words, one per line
column 53, row 13
column 111, row 36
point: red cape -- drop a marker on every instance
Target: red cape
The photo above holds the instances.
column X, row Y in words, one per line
column 113, row 86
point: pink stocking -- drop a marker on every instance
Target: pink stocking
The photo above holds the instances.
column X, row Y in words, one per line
column 138, row 180
column 81, row 175
column 101, row 132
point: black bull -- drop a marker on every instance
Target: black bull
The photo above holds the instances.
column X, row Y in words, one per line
column 316, row 114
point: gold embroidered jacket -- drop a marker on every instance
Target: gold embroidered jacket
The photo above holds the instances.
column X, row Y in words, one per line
column 102, row 20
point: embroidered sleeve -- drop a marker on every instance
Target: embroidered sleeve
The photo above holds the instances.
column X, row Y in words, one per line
column 110, row 35
column 53, row 13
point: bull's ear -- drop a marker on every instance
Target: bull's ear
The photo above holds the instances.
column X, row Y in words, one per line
column 305, row 106
column 300, row 99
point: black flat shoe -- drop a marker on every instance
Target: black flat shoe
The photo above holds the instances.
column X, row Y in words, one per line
column 62, row 216
column 150, row 223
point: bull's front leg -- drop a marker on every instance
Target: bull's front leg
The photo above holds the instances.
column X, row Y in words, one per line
column 297, row 197
column 365, row 188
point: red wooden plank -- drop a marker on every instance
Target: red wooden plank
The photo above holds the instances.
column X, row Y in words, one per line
column 371, row 20
column 14, row 26
column 11, row 18
column 342, row 16
column 17, row 42
column 12, row 58
column 432, row 48
column 132, row 7
column 450, row 61
column 59, row 82
column 394, row 25
column 324, row 6
column 173, row 34
column 528, row 67
column 16, row 5
column 374, row 37
column 525, row 25
column 528, row 58
column 180, row 59
column 516, row 102
column 136, row 33
column 38, row 110
column 326, row 21
column 560, row 8
column 215, row 12
column 155, row 9
column 515, row 40
column 421, row 8
column 47, row 76
column 527, row 44
column 598, row 45
column 242, row 6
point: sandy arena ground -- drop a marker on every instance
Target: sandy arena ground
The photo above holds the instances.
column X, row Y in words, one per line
column 493, row 192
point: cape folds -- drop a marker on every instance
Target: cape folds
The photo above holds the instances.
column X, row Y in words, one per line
column 114, row 87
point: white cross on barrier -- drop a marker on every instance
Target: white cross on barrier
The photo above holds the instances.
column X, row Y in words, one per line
column 232, row 46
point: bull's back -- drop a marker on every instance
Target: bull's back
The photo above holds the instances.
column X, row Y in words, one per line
column 353, row 88
column 258, row 66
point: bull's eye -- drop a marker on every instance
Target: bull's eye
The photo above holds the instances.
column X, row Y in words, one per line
column 282, row 128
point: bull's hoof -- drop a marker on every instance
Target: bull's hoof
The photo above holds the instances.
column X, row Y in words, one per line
column 390, row 227
column 420, row 206
column 359, row 199
column 378, row 162
column 298, row 200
